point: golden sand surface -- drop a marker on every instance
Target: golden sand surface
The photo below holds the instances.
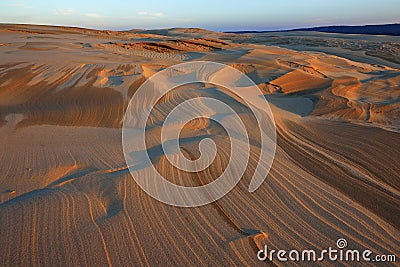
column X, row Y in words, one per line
column 67, row 197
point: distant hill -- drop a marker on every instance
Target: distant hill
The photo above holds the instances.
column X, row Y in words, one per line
column 383, row 29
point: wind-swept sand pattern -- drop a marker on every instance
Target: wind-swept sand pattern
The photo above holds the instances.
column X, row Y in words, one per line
column 66, row 195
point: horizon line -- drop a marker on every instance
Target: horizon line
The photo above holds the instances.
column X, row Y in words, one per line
column 194, row 27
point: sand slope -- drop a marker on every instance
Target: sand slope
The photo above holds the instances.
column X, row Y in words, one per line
column 67, row 197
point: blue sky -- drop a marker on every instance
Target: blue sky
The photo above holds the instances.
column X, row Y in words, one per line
column 220, row 15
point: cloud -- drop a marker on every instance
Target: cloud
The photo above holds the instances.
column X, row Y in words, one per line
column 94, row 15
column 64, row 11
column 150, row 15
column 19, row 5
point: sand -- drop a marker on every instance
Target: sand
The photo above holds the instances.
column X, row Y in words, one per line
column 67, row 197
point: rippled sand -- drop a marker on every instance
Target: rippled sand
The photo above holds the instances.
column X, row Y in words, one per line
column 67, row 197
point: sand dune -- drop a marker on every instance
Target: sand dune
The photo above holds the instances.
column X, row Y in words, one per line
column 66, row 194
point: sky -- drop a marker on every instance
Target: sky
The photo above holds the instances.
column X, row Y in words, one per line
column 219, row 15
